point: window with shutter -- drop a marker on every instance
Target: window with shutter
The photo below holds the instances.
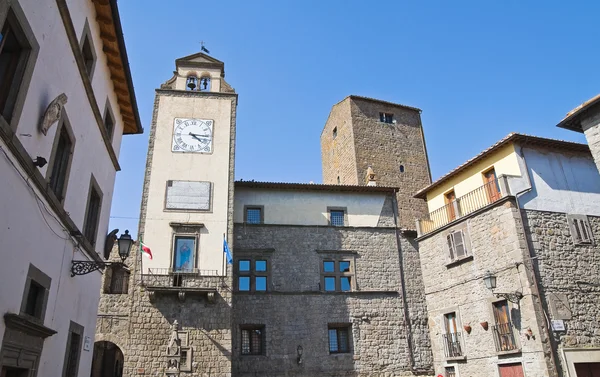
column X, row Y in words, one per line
column 450, row 246
column 580, row 229
column 456, row 245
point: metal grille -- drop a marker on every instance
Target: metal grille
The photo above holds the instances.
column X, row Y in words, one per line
column 504, row 337
column 336, row 218
column 253, row 215
column 452, row 347
column 339, row 340
column 73, row 358
column 119, row 281
column 450, row 372
column 252, row 339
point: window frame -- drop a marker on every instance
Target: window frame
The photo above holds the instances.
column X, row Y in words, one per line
column 94, row 187
column 579, row 225
column 109, row 113
column 337, row 274
column 64, row 125
column 194, row 256
column 261, row 208
column 334, row 132
column 451, row 248
column 34, row 274
column 18, row 88
column 450, row 371
column 384, row 117
column 77, row 329
column 109, row 279
column 250, row 328
column 347, row 327
column 86, row 34
column 337, row 209
column 252, row 273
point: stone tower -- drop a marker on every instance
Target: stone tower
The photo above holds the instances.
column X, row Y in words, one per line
column 364, row 132
column 173, row 317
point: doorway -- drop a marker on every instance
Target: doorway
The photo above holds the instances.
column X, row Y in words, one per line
column 108, row 360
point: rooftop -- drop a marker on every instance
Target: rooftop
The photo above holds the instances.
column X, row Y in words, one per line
column 312, row 187
column 572, row 121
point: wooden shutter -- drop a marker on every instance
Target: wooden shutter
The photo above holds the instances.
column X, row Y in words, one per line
column 585, row 234
column 501, row 312
column 450, row 245
column 459, row 244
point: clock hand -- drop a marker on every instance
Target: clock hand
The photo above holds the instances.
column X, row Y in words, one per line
column 194, row 135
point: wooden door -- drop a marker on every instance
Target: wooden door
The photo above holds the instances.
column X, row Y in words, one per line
column 587, row 369
column 491, row 185
column 449, row 198
column 511, row 370
column 503, row 329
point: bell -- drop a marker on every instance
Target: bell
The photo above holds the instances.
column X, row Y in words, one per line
column 191, row 83
column 205, row 83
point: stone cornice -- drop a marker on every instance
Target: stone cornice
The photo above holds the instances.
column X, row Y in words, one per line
column 26, row 325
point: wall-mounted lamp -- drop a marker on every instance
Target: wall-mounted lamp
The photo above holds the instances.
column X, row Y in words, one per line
column 490, row 283
column 299, row 351
column 85, row 267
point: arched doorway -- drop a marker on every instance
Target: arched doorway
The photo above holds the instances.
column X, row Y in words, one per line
column 108, row 360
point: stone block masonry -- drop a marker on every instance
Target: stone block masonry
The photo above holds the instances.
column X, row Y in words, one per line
column 296, row 311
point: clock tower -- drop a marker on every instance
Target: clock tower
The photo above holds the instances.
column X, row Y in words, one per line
column 186, row 212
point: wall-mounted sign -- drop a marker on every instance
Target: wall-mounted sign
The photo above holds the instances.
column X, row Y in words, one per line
column 558, row 325
column 87, row 343
column 188, row 195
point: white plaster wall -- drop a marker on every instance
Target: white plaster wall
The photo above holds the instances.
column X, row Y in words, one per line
column 167, row 165
column 26, row 238
column 565, row 182
column 295, row 207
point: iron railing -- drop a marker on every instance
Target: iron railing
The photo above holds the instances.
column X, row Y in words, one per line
column 462, row 206
column 504, row 337
column 167, row 277
column 452, row 344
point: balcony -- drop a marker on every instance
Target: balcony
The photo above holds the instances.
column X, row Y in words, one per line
column 504, row 338
column 182, row 282
column 464, row 205
column 452, row 346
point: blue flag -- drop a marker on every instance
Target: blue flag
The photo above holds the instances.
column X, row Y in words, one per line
column 227, row 252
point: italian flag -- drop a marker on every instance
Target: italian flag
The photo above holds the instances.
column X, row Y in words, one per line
column 145, row 250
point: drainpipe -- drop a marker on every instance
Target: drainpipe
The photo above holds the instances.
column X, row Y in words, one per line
column 407, row 325
column 532, row 256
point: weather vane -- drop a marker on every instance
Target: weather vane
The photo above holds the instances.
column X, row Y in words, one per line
column 202, row 48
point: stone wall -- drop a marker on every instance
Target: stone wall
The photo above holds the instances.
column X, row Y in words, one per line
column 568, row 279
column 591, row 129
column 338, row 156
column 296, row 312
column 495, row 243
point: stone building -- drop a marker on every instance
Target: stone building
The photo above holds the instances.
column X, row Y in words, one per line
column 510, row 262
column 66, row 100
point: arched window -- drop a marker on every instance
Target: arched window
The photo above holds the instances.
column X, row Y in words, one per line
column 401, row 168
column 204, row 84
column 338, row 180
column 191, row 83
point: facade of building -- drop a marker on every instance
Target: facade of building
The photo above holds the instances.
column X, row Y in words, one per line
column 66, row 100
column 523, row 214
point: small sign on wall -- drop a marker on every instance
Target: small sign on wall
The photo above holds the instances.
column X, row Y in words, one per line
column 188, row 195
column 87, row 343
column 558, row 325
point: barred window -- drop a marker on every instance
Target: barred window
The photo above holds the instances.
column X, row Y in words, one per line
column 252, row 340
column 450, row 372
column 253, row 215
column 337, row 217
column 339, row 338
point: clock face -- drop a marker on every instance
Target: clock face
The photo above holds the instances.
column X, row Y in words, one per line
column 192, row 135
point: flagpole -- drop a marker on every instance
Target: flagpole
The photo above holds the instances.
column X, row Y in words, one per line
column 141, row 256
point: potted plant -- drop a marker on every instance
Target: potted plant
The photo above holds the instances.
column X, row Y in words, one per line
column 484, row 324
column 467, row 328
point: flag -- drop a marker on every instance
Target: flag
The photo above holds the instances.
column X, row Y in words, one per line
column 145, row 250
column 227, row 252
column 204, row 49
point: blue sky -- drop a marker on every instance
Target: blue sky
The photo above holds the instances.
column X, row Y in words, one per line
column 478, row 70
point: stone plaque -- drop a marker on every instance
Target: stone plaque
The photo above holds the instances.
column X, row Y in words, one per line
column 558, row 325
column 188, row 195
column 559, row 306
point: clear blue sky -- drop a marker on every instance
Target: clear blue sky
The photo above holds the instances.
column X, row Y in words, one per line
column 478, row 70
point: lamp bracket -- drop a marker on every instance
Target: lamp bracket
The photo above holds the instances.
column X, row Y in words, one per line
column 81, row 267
column 513, row 297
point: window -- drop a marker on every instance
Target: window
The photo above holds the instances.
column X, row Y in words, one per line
column 386, row 117
column 580, row 229
column 504, row 337
column 337, row 216
column 35, row 295
column 338, row 180
column 456, row 245
column 337, row 275
column 116, row 280
column 253, row 274
column 90, row 226
column 253, row 339
column 401, row 168
column 14, row 53
column 109, row 120
column 450, row 372
column 61, row 161
column 492, row 187
column 184, row 254
column 334, row 132
column 452, row 346
column 89, row 57
column 339, row 338
column 253, row 214
column 72, row 353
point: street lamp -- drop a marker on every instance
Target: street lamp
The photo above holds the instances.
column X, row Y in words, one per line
column 490, row 283
column 85, row 267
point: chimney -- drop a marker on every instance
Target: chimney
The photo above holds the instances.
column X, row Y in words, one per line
column 370, row 178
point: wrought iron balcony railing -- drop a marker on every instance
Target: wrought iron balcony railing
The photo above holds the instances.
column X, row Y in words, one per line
column 182, row 282
column 504, row 337
column 464, row 205
column 452, row 344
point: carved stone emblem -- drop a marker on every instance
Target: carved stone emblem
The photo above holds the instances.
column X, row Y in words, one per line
column 53, row 113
